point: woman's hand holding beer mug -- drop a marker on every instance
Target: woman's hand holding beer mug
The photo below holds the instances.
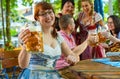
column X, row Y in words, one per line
column 32, row 39
column 106, row 34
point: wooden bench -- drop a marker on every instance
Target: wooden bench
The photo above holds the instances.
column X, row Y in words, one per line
column 9, row 64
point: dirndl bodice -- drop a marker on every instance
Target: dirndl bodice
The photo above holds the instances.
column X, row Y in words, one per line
column 42, row 65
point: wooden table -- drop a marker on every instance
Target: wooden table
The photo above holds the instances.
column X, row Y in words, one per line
column 87, row 69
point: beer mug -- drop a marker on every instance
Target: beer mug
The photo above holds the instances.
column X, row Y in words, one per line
column 35, row 41
column 93, row 41
column 102, row 39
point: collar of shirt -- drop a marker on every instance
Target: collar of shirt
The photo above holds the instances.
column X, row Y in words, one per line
column 68, row 39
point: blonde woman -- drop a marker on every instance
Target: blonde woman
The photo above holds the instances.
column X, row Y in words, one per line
column 87, row 23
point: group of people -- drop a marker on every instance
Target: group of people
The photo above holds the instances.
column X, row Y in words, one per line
column 69, row 39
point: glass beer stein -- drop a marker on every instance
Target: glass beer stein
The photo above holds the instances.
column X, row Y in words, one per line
column 93, row 34
column 35, row 41
column 102, row 39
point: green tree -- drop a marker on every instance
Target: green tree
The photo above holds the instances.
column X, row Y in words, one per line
column 79, row 5
column 57, row 6
column 116, row 7
column 106, row 10
column 8, row 34
column 8, row 8
column 27, row 2
column 10, row 13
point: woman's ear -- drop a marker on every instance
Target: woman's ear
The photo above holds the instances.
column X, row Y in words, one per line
column 37, row 18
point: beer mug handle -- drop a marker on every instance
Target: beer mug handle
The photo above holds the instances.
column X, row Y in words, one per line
column 24, row 27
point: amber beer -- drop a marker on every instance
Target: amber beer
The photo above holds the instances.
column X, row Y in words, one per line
column 102, row 39
column 35, row 41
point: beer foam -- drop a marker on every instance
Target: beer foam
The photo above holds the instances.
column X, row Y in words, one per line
column 32, row 28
